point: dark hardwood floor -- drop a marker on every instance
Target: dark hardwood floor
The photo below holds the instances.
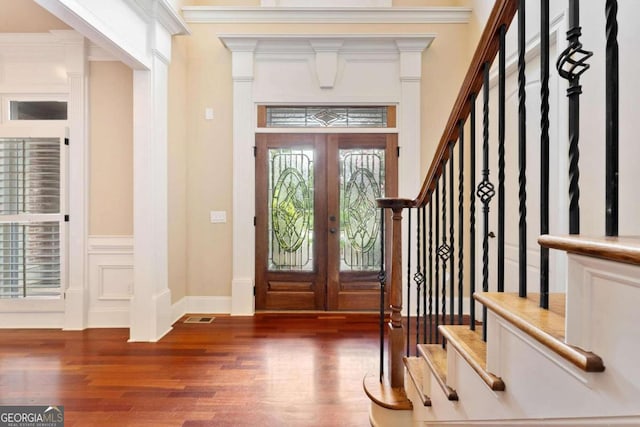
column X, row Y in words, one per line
column 267, row 370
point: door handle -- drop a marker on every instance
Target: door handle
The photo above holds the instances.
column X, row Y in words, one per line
column 332, row 230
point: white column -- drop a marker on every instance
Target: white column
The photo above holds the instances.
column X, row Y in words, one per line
column 151, row 302
column 76, row 294
column 409, row 124
column 244, row 123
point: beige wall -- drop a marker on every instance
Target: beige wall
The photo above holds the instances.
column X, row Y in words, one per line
column 177, row 173
column 209, row 174
column 25, row 16
column 111, row 149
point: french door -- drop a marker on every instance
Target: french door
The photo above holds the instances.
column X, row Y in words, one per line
column 318, row 234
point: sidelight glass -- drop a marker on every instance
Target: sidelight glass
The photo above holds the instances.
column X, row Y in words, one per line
column 362, row 177
column 291, row 203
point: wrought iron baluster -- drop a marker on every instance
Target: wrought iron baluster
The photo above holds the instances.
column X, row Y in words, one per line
column 431, row 269
column 501, row 134
column 418, row 277
column 522, row 154
column 409, row 284
column 472, row 212
column 437, row 263
column 382, row 278
column 611, row 101
column 485, row 193
column 460, row 217
column 444, row 250
column 424, row 273
column 451, row 240
column 544, row 150
column 571, row 64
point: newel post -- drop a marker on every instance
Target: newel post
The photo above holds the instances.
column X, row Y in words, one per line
column 396, row 336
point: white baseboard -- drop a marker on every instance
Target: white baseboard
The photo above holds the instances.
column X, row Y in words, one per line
column 33, row 320
column 200, row 305
column 109, row 318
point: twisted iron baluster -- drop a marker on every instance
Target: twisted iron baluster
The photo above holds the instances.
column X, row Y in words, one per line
column 571, row 64
column 472, row 212
column 522, row 154
column 409, row 284
column 501, row 135
column 419, row 279
column 544, row 150
column 382, row 278
column 451, row 240
column 444, row 250
column 612, row 119
column 431, row 268
column 460, row 217
column 485, row 193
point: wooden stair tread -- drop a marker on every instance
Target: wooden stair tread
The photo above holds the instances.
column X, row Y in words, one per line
column 436, row 358
column 545, row 326
column 384, row 395
column 622, row 249
column 415, row 367
column 473, row 349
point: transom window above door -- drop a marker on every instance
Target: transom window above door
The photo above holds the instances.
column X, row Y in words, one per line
column 326, row 116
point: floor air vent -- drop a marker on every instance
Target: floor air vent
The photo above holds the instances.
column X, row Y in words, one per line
column 198, row 319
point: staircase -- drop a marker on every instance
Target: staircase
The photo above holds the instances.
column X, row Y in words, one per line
column 563, row 354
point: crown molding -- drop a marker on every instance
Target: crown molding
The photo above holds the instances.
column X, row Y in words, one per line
column 325, row 15
column 314, row 43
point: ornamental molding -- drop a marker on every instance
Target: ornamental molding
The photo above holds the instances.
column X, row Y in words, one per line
column 326, row 15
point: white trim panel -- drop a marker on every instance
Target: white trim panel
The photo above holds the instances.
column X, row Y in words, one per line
column 343, row 15
column 110, row 280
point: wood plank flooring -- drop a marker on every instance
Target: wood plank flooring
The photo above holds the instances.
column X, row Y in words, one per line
column 267, row 370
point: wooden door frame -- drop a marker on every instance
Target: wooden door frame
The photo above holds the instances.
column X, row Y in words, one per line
column 315, row 298
column 325, row 289
column 335, row 141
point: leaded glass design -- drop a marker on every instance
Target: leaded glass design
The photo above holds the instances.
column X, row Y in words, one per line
column 349, row 117
column 362, row 180
column 290, row 195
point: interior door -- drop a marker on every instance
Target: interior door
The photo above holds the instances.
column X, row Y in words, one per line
column 317, row 224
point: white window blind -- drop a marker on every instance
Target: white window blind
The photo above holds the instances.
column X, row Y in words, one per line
column 31, row 217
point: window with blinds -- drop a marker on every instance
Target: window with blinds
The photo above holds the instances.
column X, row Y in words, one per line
column 31, row 218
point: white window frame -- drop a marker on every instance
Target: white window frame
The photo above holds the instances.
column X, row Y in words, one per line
column 5, row 109
column 59, row 131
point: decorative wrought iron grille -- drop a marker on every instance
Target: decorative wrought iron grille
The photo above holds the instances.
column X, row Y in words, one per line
column 291, row 205
column 361, row 183
column 287, row 117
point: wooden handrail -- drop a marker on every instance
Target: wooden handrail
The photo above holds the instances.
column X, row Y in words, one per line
column 502, row 14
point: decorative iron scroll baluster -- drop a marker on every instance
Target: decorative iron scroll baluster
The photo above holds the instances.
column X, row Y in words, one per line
column 409, row 283
column 460, row 217
column 472, row 213
column 571, row 64
column 485, row 193
column 522, row 154
column 418, row 277
column 544, row 150
column 451, row 240
column 382, row 278
column 424, row 274
column 611, row 101
column 444, row 251
column 437, row 263
column 431, row 268
column 501, row 131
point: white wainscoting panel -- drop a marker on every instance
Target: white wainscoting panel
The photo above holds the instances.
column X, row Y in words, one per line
column 110, row 280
